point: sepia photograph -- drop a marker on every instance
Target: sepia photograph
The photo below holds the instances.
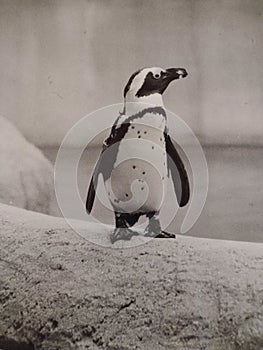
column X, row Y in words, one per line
column 131, row 157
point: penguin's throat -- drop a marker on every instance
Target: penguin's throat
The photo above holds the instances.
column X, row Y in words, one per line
column 135, row 105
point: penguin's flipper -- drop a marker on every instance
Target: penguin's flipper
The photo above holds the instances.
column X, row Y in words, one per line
column 106, row 160
column 92, row 189
column 176, row 166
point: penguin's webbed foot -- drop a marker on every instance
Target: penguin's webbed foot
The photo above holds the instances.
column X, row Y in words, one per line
column 122, row 234
column 164, row 234
column 161, row 234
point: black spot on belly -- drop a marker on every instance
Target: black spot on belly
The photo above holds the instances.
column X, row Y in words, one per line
column 126, row 195
column 139, row 136
column 143, row 172
column 152, row 147
column 134, row 166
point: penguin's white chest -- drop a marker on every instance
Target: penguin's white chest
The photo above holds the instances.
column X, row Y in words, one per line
column 138, row 179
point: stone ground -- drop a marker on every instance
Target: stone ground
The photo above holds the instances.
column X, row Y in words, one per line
column 59, row 291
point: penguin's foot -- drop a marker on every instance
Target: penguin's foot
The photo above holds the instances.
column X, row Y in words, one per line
column 162, row 234
column 122, row 234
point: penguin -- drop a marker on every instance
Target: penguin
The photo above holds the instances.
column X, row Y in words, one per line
column 139, row 156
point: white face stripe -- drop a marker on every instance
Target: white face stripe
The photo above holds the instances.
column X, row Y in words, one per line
column 139, row 79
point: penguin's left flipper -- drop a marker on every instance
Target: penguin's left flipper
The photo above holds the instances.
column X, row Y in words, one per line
column 176, row 166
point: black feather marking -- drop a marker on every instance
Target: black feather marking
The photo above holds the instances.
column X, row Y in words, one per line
column 151, row 85
column 128, row 85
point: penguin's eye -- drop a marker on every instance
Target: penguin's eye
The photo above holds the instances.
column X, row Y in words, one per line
column 157, row 75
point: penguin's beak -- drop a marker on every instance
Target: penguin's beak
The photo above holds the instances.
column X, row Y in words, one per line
column 169, row 75
column 176, row 73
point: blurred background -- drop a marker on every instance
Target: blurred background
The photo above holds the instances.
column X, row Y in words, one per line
column 61, row 60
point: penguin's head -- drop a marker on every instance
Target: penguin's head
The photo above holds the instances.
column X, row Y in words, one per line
column 148, row 82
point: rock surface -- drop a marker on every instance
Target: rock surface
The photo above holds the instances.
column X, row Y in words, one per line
column 59, row 291
column 26, row 176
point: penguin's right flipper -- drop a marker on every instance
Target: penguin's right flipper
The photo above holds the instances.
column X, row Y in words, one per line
column 92, row 188
column 106, row 161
